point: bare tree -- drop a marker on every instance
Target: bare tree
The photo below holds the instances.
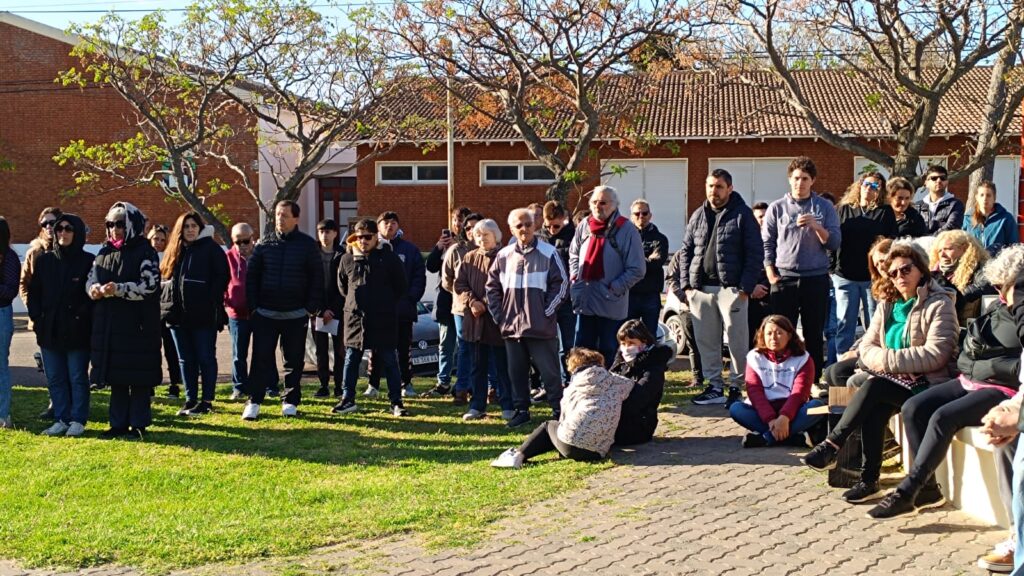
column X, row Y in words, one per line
column 560, row 74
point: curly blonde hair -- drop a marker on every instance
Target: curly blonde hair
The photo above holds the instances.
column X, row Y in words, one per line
column 974, row 256
column 852, row 194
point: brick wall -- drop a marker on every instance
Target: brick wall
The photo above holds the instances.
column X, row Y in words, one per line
column 37, row 117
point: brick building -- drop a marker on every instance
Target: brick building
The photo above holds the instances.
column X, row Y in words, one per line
column 702, row 127
column 39, row 116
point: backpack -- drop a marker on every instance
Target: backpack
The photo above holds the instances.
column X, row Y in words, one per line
column 610, row 235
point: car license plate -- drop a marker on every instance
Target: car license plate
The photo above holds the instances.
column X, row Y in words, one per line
column 426, row 359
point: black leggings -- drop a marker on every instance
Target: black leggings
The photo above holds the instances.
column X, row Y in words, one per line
column 870, row 409
column 544, row 438
column 932, row 418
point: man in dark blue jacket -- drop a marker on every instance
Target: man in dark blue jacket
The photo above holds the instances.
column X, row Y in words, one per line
column 722, row 259
column 416, row 277
column 645, row 295
column 941, row 210
column 283, row 288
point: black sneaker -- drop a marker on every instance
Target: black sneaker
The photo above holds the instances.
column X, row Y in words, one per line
column 345, row 407
column 322, row 392
column 113, row 433
column 173, row 391
column 894, row 505
column 822, row 457
column 135, row 434
column 519, row 418
column 710, row 395
column 273, row 393
column 753, row 440
column 929, row 497
column 200, row 409
column 734, row 396
column 863, row 492
column 187, row 408
column 399, row 411
column 439, row 391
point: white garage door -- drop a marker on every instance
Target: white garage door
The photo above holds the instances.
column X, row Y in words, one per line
column 663, row 184
column 757, row 179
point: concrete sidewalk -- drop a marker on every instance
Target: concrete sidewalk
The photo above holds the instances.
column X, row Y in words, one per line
column 693, row 502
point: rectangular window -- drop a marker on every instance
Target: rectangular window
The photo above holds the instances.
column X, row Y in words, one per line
column 412, row 173
column 396, row 173
column 428, row 173
column 503, row 173
column 515, row 173
column 538, row 172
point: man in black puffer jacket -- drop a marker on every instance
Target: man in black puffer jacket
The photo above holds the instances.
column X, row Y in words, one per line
column 645, row 295
column 284, row 286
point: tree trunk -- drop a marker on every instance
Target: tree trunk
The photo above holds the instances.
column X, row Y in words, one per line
column 558, row 190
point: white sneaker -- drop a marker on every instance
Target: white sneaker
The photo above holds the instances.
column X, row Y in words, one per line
column 507, row 415
column 251, row 411
column 408, row 391
column 58, row 429
column 75, row 430
column 289, row 410
column 510, row 458
column 6, row 423
column 473, row 414
column 371, row 392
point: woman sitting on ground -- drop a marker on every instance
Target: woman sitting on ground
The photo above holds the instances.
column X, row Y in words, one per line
column 779, row 377
column 910, row 344
column 989, row 366
column 641, row 359
column 591, row 407
column 956, row 262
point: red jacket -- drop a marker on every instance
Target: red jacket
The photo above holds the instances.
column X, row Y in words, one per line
column 234, row 296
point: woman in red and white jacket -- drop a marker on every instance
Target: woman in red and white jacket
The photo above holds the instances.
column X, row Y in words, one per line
column 779, row 377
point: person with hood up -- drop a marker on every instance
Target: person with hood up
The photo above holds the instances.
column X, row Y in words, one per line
column 124, row 283
column 989, row 222
column 61, row 314
column 47, row 219
column 192, row 304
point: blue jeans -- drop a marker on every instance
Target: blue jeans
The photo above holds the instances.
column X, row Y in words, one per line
column 67, row 378
column 831, row 353
column 241, row 335
column 388, row 358
column 448, row 339
column 646, row 307
column 1018, row 507
column 598, row 333
column 6, row 334
column 745, row 415
column 197, row 353
column 849, row 295
column 465, row 361
column 490, row 356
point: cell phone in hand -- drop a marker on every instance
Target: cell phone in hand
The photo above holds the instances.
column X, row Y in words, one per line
column 446, row 233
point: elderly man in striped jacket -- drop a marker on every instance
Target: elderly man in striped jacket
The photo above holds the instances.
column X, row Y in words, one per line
column 526, row 284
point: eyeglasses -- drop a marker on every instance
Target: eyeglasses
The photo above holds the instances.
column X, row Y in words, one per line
column 119, row 225
column 243, row 242
column 873, row 185
column 938, row 177
column 522, row 225
column 64, row 228
column 901, row 271
column 47, row 223
column 554, row 226
column 643, row 213
column 364, row 237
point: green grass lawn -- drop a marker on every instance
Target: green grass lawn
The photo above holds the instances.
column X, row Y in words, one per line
column 216, row 488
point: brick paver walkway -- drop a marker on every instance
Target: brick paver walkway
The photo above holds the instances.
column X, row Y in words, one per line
column 692, row 502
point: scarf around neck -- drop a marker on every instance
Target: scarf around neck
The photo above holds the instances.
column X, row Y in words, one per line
column 593, row 260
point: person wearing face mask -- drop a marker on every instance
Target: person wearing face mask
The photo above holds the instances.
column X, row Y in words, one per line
column 957, row 259
column 372, row 282
column 196, row 271
column 125, row 284
column 480, row 332
column 62, row 320
column 779, row 376
column 641, row 359
column 40, row 244
column 989, row 222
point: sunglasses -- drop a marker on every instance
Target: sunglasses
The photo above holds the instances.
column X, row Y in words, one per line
column 901, row 271
column 119, row 225
column 522, row 225
column 244, row 242
column 46, row 223
column 872, row 185
column 64, row 228
column 644, row 213
column 555, row 225
column 364, row 237
column 937, row 178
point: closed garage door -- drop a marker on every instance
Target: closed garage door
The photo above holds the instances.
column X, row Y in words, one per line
column 756, row 179
column 663, row 184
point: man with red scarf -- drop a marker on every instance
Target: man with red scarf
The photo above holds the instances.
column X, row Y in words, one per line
column 606, row 258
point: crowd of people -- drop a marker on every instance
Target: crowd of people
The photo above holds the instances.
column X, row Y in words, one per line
column 565, row 314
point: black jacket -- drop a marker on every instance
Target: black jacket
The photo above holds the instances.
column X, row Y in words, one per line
column 561, row 240
column 442, row 312
column 991, row 349
column 371, row 287
column 912, row 224
column 415, row 277
column 740, row 252
column 193, row 297
column 640, row 409
column 654, row 243
column 58, row 305
column 948, row 215
column 860, row 228
column 285, row 274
